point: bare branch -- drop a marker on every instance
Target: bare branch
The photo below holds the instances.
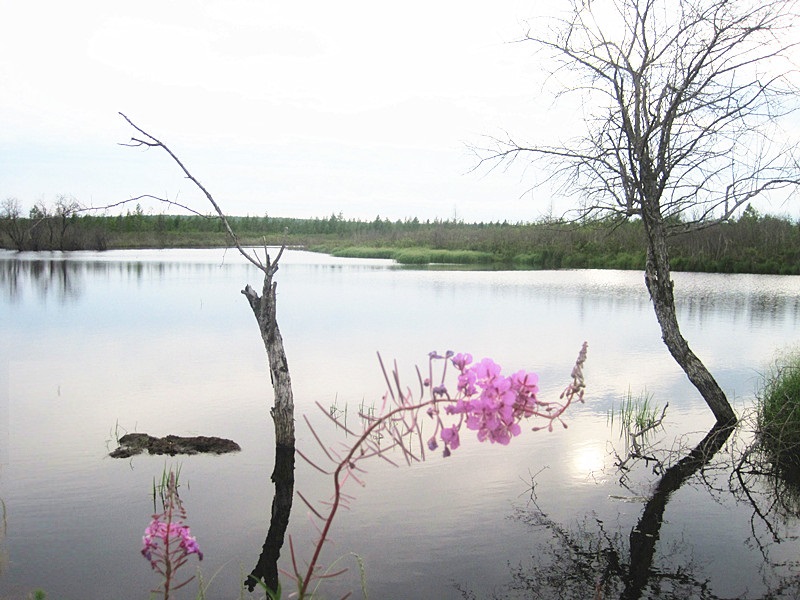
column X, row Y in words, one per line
column 149, row 141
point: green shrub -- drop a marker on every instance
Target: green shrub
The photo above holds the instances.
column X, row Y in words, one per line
column 779, row 412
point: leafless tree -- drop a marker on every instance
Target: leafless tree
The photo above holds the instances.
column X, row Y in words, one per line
column 683, row 102
column 65, row 207
column 263, row 306
column 11, row 222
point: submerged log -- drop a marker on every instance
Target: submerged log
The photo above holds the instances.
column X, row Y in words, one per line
column 136, row 443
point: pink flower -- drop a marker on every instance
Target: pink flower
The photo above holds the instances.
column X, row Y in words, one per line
column 460, row 361
column 158, row 532
column 487, row 369
column 189, row 543
column 466, row 382
column 488, row 403
column 450, row 437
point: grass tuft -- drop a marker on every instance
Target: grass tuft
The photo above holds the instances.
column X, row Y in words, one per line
column 779, row 413
column 635, row 415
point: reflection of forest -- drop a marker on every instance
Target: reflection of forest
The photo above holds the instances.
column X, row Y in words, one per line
column 47, row 277
column 62, row 278
column 756, row 307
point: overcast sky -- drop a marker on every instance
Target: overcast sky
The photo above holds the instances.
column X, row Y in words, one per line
column 288, row 108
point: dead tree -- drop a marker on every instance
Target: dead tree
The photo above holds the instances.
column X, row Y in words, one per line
column 682, row 102
column 263, row 306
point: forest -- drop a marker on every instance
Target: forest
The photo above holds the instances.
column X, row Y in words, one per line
column 750, row 243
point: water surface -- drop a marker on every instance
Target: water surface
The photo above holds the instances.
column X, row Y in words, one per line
column 98, row 344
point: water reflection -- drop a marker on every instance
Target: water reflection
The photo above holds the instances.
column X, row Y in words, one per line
column 770, row 484
column 155, row 340
column 48, row 278
column 758, row 299
column 266, row 570
column 590, row 559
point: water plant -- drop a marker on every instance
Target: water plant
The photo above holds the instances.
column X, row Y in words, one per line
column 636, row 415
column 638, row 418
column 168, row 542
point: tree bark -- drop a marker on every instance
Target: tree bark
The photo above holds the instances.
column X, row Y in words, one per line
column 264, row 310
column 660, row 286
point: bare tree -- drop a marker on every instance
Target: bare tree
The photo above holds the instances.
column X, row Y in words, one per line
column 263, row 306
column 11, row 222
column 65, row 208
column 683, row 103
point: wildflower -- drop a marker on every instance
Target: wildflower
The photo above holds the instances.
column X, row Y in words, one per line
column 460, row 361
column 159, row 531
column 189, row 543
column 466, row 382
column 167, row 541
column 450, row 437
column 526, row 387
column 491, row 404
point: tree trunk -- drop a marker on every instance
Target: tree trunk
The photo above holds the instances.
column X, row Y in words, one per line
column 264, row 310
column 659, row 284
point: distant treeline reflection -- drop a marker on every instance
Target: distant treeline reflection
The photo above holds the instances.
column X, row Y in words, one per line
column 62, row 278
column 753, row 243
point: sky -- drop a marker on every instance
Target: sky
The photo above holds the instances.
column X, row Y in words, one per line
column 292, row 109
column 297, row 109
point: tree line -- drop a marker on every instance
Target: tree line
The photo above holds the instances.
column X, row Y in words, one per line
column 751, row 243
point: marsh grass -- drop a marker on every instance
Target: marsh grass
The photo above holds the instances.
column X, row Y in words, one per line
column 414, row 256
column 161, row 489
column 114, row 434
column 361, row 252
column 636, row 415
column 423, row 256
column 778, row 414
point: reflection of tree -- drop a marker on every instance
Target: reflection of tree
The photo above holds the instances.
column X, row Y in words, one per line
column 588, row 560
column 644, row 536
column 266, row 569
column 769, row 484
column 592, row 562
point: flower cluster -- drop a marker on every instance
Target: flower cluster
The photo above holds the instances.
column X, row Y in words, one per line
column 484, row 401
column 487, row 402
column 167, row 542
column 159, row 532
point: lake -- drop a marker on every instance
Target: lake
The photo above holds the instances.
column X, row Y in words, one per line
column 95, row 345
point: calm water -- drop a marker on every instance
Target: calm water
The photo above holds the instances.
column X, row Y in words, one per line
column 98, row 344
